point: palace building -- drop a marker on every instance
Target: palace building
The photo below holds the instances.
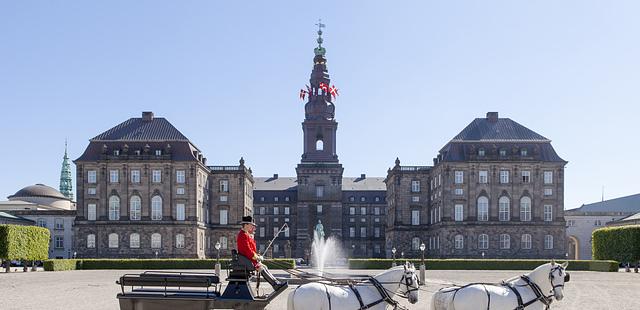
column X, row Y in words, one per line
column 494, row 190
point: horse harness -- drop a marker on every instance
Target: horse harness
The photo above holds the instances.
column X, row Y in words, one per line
column 540, row 296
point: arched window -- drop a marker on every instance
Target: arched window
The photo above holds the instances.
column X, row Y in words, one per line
column 156, row 208
column 415, row 243
column 483, row 208
column 135, row 208
column 113, row 240
column 526, row 241
column 91, row 241
column 134, row 241
column 180, row 241
column 156, row 241
column 525, row 209
column 505, row 241
column 319, row 145
column 114, row 208
column 483, row 241
column 459, row 242
column 504, row 206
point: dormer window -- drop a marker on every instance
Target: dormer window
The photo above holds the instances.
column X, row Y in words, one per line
column 523, row 152
column 137, row 152
column 481, row 152
column 503, row 152
column 352, row 199
column 158, row 152
column 116, row 152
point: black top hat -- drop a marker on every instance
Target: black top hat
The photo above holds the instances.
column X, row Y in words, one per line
column 247, row 220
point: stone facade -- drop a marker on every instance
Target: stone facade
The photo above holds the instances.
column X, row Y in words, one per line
column 143, row 177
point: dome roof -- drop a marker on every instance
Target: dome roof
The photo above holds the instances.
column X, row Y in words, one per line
column 38, row 190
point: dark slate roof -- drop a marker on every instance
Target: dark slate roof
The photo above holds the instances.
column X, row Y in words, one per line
column 627, row 204
column 38, row 190
column 15, row 218
column 291, row 183
column 633, row 217
column 179, row 150
column 137, row 129
column 503, row 129
column 457, row 151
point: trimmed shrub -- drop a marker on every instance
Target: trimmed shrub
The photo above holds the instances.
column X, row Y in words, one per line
column 617, row 243
column 146, row 264
column 485, row 264
column 60, row 264
column 25, row 243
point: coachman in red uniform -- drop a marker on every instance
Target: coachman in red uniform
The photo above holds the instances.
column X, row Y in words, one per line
column 247, row 248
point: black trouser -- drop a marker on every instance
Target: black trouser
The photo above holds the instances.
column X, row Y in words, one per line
column 266, row 274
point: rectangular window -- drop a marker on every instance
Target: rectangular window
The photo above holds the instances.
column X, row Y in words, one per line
column 504, row 176
column 91, row 241
column 459, row 213
column 91, row 212
column 276, row 199
column 415, row 186
column 319, row 209
column 548, row 191
column 224, row 243
column 459, row 191
column 224, row 186
column 548, row 242
column 415, row 217
column 352, row 211
column 286, row 210
column 156, row 176
column 114, row 176
column 135, row 176
column 526, row 241
column 526, row 176
column 483, row 177
column 548, row 213
column 158, row 152
column 319, row 191
column 180, row 191
column 376, row 232
column 180, row 176
column 58, row 242
column 363, row 232
column 91, row 176
column 376, row 249
column 262, row 210
column 59, row 224
column 459, row 177
column 286, row 232
column 91, row 191
column 363, row 210
column 261, row 232
column 415, row 199
column 275, row 231
column 224, row 217
column 352, row 232
column 376, row 211
column 548, row 177
column 180, row 212
column 224, row 198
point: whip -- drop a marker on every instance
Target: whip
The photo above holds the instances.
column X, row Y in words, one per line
column 274, row 238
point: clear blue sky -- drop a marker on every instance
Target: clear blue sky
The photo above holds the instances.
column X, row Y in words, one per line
column 411, row 76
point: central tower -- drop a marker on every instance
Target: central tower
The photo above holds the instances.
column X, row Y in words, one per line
column 319, row 172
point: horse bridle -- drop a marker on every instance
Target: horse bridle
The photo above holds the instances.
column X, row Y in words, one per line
column 408, row 282
column 551, row 277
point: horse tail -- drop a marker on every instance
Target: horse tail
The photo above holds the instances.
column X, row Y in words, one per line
column 290, row 300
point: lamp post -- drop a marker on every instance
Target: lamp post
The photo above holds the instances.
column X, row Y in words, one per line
column 482, row 255
column 218, row 267
column 353, row 250
column 156, row 254
column 422, row 266
column 393, row 251
column 402, row 255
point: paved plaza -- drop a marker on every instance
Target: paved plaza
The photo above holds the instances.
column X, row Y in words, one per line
column 96, row 289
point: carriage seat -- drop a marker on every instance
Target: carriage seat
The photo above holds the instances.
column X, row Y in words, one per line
column 241, row 267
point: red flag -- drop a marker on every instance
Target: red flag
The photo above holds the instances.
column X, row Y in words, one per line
column 333, row 91
column 324, row 86
column 303, row 93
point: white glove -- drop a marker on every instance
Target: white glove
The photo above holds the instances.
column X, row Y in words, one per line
column 260, row 258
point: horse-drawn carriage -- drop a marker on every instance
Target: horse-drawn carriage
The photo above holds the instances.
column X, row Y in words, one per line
column 153, row 290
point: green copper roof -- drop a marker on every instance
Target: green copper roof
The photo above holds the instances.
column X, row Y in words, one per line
column 66, row 185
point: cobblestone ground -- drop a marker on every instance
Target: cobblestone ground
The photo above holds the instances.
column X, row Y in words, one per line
column 96, row 289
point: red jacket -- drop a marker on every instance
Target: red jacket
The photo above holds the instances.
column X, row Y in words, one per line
column 247, row 247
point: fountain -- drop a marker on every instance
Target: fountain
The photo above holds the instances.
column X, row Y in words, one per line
column 325, row 252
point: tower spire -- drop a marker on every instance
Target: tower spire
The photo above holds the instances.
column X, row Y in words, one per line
column 320, row 105
column 320, row 51
column 66, row 185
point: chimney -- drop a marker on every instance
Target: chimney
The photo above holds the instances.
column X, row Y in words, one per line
column 147, row 116
column 275, row 175
column 492, row 117
column 363, row 176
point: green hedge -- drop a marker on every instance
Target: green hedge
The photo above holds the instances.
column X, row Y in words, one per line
column 484, row 264
column 92, row 264
column 24, row 242
column 617, row 243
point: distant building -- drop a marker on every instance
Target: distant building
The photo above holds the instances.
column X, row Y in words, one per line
column 627, row 221
column 46, row 207
column 6, row 218
column 582, row 221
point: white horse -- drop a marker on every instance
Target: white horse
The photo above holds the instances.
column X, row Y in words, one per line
column 375, row 293
column 534, row 290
